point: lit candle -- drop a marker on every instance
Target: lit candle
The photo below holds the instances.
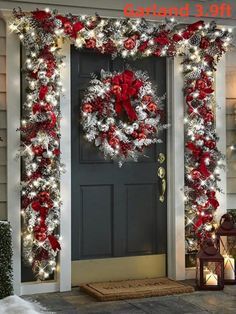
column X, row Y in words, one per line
column 211, row 279
column 229, row 268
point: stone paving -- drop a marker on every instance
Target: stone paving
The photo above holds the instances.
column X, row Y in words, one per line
column 199, row 302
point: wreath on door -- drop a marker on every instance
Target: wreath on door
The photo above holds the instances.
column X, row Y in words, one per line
column 122, row 114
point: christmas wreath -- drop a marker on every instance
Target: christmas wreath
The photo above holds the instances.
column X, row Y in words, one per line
column 122, row 114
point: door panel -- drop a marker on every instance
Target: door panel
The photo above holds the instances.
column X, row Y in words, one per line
column 116, row 212
column 141, row 212
column 96, row 239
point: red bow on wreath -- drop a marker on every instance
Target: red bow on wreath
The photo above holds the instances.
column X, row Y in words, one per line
column 124, row 87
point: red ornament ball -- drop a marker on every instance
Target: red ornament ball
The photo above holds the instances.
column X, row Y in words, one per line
column 116, row 89
column 44, row 196
column 209, row 117
column 90, row 43
column 147, row 98
column 38, row 150
column 40, row 233
column 152, row 107
column 142, row 136
column 210, row 144
column 114, row 142
column 129, row 43
column 195, row 174
column 87, row 108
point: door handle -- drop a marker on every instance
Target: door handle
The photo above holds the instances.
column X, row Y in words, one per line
column 161, row 174
column 162, row 196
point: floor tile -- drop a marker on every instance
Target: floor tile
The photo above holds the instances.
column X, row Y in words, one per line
column 199, row 302
column 214, row 302
column 166, row 305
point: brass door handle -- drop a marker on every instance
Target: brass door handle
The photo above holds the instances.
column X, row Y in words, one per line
column 161, row 174
column 162, row 196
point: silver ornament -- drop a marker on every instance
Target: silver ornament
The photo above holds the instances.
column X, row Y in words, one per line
column 110, row 121
column 135, row 125
column 129, row 130
column 58, row 23
column 41, row 74
column 144, row 37
column 201, row 200
column 199, row 142
column 195, row 40
column 104, row 127
column 45, row 80
column 201, row 132
column 138, row 108
column 47, row 154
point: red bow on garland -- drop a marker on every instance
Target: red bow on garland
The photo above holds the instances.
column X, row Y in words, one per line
column 42, row 205
column 125, row 87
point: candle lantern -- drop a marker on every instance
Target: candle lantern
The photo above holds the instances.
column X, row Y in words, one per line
column 209, row 267
column 226, row 237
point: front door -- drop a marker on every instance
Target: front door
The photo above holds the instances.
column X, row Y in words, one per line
column 119, row 225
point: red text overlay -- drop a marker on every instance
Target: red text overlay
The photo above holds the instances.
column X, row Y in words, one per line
column 198, row 10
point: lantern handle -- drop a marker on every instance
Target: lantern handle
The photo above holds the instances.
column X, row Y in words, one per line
column 227, row 221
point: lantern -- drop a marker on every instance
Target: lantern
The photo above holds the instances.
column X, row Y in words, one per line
column 209, row 267
column 226, row 237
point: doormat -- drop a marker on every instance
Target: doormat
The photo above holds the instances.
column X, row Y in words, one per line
column 132, row 289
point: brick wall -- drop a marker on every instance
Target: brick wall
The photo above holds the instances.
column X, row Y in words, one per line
column 3, row 123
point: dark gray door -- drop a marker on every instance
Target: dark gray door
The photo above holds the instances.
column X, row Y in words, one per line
column 115, row 211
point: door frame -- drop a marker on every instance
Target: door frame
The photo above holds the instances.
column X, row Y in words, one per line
column 175, row 168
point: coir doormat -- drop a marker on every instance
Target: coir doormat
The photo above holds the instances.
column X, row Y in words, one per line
column 131, row 289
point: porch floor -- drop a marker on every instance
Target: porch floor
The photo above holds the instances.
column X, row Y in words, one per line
column 76, row 301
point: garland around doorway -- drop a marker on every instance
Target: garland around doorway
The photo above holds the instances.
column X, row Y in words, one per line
column 40, row 31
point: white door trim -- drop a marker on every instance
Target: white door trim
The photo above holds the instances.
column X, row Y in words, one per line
column 220, row 94
column 65, row 187
column 175, row 151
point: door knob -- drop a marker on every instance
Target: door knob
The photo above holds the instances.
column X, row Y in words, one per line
column 161, row 174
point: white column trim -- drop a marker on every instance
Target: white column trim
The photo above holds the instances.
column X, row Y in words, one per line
column 220, row 94
column 65, row 147
column 176, row 227
column 38, row 287
column 13, row 144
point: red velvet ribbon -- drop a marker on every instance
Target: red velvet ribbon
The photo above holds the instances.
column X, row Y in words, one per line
column 128, row 88
column 54, row 243
column 202, row 167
